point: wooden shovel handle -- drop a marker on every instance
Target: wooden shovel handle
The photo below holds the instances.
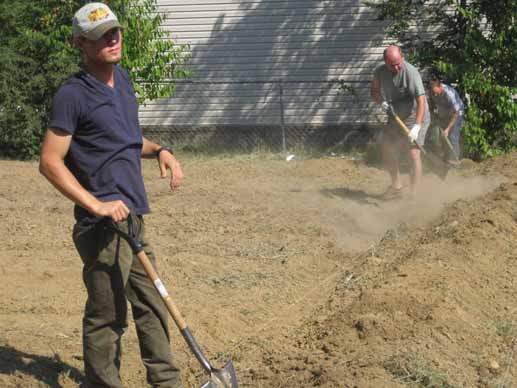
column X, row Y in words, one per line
column 439, row 167
column 401, row 124
column 391, row 112
column 138, row 250
column 449, row 145
column 175, row 313
column 158, row 284
column 406, row 130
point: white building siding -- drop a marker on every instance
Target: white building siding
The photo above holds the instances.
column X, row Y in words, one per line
column 270, row 62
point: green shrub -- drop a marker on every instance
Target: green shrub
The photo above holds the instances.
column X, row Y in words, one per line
column 473, row 46
column 36, row 58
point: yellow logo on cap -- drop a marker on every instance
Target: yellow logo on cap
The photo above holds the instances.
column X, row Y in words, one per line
column 98, row 14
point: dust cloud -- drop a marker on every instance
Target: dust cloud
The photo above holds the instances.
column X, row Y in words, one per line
column 357, row 218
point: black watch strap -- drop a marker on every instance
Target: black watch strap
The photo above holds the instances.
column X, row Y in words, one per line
column 163, row 149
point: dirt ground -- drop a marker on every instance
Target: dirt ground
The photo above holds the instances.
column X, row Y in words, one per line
column 296, row 271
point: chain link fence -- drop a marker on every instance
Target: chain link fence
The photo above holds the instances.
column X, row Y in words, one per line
column 274, row 115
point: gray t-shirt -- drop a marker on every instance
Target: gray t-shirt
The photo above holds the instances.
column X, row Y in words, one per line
column 401, row 89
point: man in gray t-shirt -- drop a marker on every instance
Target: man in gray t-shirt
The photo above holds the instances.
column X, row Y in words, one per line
column 399, row 83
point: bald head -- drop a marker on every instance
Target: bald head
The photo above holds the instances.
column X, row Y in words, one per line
column 394, row 59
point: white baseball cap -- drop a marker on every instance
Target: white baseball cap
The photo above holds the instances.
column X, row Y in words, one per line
column 93, row 20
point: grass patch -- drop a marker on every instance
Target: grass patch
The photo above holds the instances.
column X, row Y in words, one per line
column 265, row 252
column 415, row 371
column 505, row 329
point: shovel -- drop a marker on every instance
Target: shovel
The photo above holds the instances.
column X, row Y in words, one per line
column 448, row 145
column 219, row 378
column 437, row 165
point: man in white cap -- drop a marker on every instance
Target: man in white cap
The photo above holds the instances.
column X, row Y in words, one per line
column 92, row 154
column 399, row 83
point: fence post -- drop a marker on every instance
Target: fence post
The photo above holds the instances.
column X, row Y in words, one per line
column 282, row 118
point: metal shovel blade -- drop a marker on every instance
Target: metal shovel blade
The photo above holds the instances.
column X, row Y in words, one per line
column 222, row 378
column 436, row 165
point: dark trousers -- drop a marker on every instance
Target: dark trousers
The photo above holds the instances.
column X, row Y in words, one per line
column 113, row 275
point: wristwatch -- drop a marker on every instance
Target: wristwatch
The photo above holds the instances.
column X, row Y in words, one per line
column 163, row 149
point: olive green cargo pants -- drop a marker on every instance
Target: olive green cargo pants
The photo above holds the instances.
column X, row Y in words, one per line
column 112, row 275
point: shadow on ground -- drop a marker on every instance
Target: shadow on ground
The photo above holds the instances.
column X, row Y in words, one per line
column 45, row 369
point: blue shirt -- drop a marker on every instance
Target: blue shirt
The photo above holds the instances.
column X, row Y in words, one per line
column 448, row 103
column 105, row 151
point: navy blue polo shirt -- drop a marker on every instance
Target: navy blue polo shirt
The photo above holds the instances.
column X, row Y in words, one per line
column 105, row 151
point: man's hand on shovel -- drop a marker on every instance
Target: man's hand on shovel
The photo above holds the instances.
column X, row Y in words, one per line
column 413, row 134
column 438, row 166
column 385, row 107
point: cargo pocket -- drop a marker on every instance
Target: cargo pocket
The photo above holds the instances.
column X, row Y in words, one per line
column 90, row 240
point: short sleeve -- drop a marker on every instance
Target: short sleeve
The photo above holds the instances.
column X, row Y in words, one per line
column 454, row 99
column 377, row 72
column 65, row 109
column 416, row 86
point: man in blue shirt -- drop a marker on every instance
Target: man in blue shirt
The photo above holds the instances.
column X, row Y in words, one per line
column 92, row 154
column 449, row 112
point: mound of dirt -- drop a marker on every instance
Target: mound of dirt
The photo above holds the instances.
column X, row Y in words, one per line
column 297, row 271
column 430, row 306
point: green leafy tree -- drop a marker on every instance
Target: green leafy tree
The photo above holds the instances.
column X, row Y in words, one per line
column 150, row 56
column 36, row 57
column 474, row 45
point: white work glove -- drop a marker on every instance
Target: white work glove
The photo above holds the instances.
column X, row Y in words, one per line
column 385, row 106
column 413, row 134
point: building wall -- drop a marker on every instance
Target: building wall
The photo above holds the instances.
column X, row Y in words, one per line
column 271, row 62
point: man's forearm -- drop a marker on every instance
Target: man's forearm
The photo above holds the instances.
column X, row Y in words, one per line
column 375, row 91
column 62, row 179
column 420, row 109
column 149, row 148
column 453, row 120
